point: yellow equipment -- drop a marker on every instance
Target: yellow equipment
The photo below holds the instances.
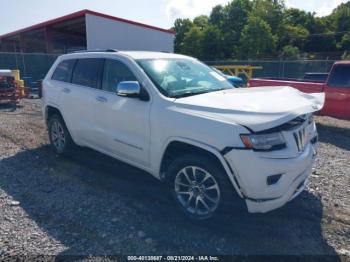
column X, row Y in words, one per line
column 19, row 83
column 236, row 70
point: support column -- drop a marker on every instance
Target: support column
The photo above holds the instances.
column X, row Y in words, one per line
column 22, row 43
column 48, row 39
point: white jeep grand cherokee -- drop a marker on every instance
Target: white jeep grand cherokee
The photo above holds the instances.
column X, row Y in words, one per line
column 185, row 124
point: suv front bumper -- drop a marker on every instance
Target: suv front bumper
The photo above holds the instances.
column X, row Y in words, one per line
column 252, row 172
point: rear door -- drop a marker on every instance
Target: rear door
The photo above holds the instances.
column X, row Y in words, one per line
column 59, row 85
column 338, row 92
column 78, row 99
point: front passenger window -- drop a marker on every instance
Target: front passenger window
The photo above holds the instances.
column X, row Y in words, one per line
column 114, row 73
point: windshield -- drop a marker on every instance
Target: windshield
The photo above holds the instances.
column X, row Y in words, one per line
column 183, row 77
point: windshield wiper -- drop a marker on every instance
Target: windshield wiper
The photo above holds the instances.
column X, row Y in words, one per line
column 189, row 93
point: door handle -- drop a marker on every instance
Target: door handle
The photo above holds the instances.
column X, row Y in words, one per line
column 66, row 90
column 101, row 99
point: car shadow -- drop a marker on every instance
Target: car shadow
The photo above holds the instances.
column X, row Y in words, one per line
column 334, row 135
column 95, row 205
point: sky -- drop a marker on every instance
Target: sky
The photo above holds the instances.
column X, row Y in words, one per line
column 17, row 14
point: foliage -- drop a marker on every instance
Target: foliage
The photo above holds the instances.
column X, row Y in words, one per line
column 270, row 11
column 263, row 29
column 192, row 43
column 181, row 27
column 290, row 52
column 257, row 47
column 295, row 35
column 345, row 42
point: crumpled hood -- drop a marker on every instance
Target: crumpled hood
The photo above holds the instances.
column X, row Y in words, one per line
column 256, row 108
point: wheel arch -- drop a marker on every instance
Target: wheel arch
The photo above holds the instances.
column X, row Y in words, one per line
column 52, row 110
column 178, row 145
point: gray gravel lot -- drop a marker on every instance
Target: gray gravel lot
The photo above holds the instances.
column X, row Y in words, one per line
column 91, row 205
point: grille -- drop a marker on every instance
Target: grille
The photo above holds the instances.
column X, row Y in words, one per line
column 300, row 137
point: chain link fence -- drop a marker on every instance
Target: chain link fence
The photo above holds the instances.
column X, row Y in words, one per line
column 33, row 66
column 282, row 68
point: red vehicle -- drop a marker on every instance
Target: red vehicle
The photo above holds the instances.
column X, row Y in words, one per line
column 9, row 93
column 336, row 89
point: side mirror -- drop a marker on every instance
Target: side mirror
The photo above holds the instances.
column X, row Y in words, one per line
column 129, row 89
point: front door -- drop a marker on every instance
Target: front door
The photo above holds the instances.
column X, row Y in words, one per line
column 124, row 128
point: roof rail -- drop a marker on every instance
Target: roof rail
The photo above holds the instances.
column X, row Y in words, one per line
column 93, row 50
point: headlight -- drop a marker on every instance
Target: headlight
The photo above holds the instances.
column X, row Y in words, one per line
column 264, row 142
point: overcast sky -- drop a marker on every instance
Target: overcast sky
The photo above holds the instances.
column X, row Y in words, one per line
column 16, row 14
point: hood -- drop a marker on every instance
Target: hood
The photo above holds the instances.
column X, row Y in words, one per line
column 258, row 109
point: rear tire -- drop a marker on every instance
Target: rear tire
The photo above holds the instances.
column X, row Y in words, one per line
column 200, row 187
column 60, row 138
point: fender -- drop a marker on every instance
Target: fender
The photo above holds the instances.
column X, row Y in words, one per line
column 58, row 108
column 207, row 148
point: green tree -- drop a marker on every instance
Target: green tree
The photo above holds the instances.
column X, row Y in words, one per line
column 181, row 27
column 290, row 52
column 296, row 17
column 212, row 43
column 295, row 35
column 262, row 28
column 230, row 20
column 340, row 17
column 322, row 37
column 252, row 46
column 271, row 11
column 192, row 44
column 217, row 16
column 345, row 42
column 236, row 15
column 201, row 21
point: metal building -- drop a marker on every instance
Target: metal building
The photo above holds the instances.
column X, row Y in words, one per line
column 87, row 30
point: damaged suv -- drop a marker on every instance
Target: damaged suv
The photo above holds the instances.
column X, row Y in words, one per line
column 185, row 124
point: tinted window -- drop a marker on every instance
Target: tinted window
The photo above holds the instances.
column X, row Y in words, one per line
column 114, row 73
column 87, row 72
column 340, row 77
column 64, row 70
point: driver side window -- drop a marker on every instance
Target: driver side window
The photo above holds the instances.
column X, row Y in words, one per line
column 114, row 73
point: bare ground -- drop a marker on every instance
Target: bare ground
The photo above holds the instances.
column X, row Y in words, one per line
column 89, row 204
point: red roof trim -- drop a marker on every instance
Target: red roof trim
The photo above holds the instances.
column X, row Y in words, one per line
column 80, row 14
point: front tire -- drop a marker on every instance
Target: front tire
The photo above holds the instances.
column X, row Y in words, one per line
column 200, row 187
column 60, row 139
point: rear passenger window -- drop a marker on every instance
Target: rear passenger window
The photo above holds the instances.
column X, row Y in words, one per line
column 87, row 72
column 340, row 77
column 63, row 71
column 114, row 73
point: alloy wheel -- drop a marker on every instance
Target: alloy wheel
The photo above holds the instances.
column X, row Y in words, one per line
column 58, row 136
column 197, row 191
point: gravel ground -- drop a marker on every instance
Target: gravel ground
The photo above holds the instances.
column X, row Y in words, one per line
column 91, row 205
